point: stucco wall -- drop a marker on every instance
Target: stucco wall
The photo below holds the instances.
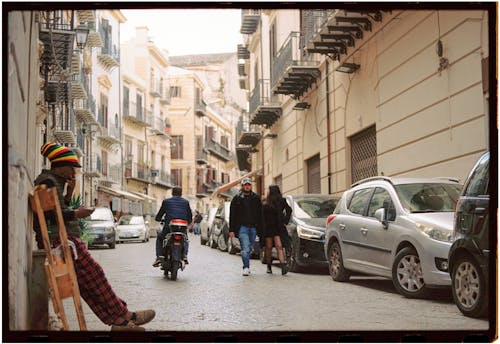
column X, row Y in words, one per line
column 24, row 159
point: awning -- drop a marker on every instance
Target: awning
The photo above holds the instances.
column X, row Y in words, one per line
column 116, row 192
column 144, row 196
column 235, row 182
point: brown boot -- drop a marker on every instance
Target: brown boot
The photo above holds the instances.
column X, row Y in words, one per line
column 142, row 317
column 127, row 326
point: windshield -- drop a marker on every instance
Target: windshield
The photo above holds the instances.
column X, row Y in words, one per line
column 101, row 214
column 314, row 207
column 130, row 220
column 428, row 197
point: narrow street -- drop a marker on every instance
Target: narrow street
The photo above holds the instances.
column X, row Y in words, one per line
column 212, row 295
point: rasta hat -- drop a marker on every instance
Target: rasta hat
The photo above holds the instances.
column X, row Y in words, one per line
column 59, row 155
column 246, row 180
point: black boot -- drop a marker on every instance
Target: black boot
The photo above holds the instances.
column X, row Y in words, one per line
column 284, row 269
column 269, row 271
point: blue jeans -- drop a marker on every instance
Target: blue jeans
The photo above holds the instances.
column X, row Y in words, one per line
column 247, row 237
column 159, row 243
column 197, row 228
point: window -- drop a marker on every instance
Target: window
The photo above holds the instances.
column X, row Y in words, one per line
column 364, row 154
column 175, row 91
column 359, row 201
column 140, row 152
column 104, row 156
column 128, row 149
column 224, row 177
column 197, row 96
column 478, row 183
column 176, row 150
column 177, row 176
column 139, row 106
column 272, row 41
column 224, row 140
column 379, row 197
column 103, row 111
column 313, row 175
column 126, row 101
column 209, row 133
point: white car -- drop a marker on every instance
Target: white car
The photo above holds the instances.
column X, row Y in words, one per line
column 399, row 228
column 132, row 228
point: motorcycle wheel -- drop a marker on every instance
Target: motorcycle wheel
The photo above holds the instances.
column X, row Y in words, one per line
column 173, row 273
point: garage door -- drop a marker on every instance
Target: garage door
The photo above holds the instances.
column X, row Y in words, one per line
column 313, row 175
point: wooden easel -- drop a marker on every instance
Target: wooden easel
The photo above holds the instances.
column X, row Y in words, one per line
column 60, row 272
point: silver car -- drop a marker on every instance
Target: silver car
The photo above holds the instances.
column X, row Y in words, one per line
column 400, row 228
column 132, row 228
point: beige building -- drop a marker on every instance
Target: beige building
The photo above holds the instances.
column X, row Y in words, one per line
column 201, row 140
column 344, row 95
column 146, row 127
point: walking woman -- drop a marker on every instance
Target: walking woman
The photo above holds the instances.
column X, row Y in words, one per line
column 276, row 213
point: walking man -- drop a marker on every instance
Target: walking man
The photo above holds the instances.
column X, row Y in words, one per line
column 175, row 207
column 245, row 221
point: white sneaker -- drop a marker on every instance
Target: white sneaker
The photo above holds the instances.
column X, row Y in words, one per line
column 246, row 271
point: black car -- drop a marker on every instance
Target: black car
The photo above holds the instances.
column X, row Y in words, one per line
column 306, row 230
column 469, row 255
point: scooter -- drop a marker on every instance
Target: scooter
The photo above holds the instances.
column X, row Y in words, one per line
column 173, row 248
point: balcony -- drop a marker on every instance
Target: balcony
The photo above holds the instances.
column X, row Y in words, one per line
column 109, row 57
column 202, row 190
column 264, row 107
column 162, row 178
column 134, row 114
column 291, row 73
column 249, row 21
column 244, row 158
column 200, row 108
column 246, row 134
column 64, row 131
column 92, row 166
column 109, row 136
column 77, row 87
column 218, row 150
column 84, row 110
column 201, row 156
column 58, row 40
column 111, row 175
column 94, row 39
column 242, row 69
column 338, row 35
column 164, row 96
column 155, row 88
column 138, row 171
column 243, row 53
column 159, row 127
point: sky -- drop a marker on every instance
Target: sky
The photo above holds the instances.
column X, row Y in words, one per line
column 187, row 31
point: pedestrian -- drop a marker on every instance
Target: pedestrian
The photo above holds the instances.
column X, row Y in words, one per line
column 276, row 213
column 197, row 222
column 92, row 282
column 175, row 207
column 245, row 220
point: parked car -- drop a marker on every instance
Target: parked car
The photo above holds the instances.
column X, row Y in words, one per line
column 399, row 228
column 154, row 227
column 132, row 228
column 206, row 224
column 102, row 227
column 219, row 234
column 306, row 230
column 470, row 253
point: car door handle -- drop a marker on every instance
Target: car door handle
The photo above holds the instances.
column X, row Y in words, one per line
column 364, row 231
column 342, row 226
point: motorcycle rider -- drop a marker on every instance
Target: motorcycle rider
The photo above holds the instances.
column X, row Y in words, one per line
column 175, row 207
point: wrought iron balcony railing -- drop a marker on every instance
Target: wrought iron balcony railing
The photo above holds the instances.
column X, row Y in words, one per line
column 218, row 150
column 200, row 108
column 250, row 19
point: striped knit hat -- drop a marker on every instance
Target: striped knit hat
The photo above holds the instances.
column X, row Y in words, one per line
column 59, row 155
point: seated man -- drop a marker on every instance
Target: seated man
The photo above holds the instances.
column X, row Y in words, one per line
column 93, row 284
column 175, row 207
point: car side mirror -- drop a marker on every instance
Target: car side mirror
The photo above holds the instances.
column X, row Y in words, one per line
column 381, row 215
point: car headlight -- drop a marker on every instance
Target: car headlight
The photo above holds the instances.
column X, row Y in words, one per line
column 436, row 233
column 309, row 233
column 108, row 229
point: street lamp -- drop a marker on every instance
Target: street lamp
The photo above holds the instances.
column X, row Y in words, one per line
column 82, row 33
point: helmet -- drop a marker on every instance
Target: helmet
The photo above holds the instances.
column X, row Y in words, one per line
column 246, row 180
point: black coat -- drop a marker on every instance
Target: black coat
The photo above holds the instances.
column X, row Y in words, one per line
column 274, row 220
column 236, row 212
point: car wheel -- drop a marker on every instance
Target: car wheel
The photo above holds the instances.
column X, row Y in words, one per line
column 230, row 246
column 469, row 288
column 113, row 244
column 407, row 274
column 336, row 263
column 212, row 243
column 221, row 243
column 293, row 265
column 203, row 241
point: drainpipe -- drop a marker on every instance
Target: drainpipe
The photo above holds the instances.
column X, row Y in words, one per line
column 328, row 129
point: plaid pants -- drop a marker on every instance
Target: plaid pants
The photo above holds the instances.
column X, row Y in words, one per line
column 94, row 287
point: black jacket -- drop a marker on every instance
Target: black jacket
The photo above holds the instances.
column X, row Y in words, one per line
column 236, row 212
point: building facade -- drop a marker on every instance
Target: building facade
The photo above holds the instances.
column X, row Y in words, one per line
column 344, row 95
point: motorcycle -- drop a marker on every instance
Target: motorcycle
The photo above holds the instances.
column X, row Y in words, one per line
column 173, row 248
